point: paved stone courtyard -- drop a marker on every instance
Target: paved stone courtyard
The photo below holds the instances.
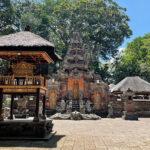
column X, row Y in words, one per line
column 105, row 134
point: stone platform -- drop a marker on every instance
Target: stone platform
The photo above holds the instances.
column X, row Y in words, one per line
column 25, row 129
column 104, row 134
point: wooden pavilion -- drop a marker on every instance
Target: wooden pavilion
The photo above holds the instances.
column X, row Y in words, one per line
column 26, row 53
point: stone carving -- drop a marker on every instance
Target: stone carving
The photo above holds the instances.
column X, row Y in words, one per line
column 53, row 98
column 129, row 106
column 110, row 110
column 81, row 95
column 2, row 114
column 69, row 107
column 22, row 105
column 90, row 117
column 6, row 112
column 63, row 106
column 88, row 106
column 75, row 116
column 40, row 108
column 60, row 116
column 82, row 106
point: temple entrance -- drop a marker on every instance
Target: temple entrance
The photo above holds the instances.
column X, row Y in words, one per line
column 76, row 90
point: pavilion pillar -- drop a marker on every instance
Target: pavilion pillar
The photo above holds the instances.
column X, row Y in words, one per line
column 11, row 107
column 1, row 105
column 43, row 111
column 36, row 117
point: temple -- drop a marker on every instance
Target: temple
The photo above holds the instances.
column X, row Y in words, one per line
column 25, row 80
column 75, row 87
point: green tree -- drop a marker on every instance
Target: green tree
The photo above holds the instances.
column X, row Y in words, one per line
column 135, row 60
column 102, row 23
column 7, row 17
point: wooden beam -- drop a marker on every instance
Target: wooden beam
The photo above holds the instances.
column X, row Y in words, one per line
column 16, row 54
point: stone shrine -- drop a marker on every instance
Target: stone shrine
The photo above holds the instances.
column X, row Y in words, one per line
column 75, row 87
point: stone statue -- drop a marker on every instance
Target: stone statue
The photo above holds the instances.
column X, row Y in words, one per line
column 6, row 112
column 63, row 106
column 129, row 106
column 88, row 106
column 81, row 95
column 110, row 110
column 22, row 105
column 40, row 108
column 70, row 96
column 82, row 107
column 69, row 107
column 76, row 115
column 53, row 98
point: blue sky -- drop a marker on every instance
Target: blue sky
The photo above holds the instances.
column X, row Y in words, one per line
column 139, row 14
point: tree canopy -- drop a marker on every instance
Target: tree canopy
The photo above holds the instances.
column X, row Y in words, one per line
column 135, row 60
column 7, row 17
column 103, row 24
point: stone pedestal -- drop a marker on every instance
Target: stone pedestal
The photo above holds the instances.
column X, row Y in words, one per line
column 25, row 129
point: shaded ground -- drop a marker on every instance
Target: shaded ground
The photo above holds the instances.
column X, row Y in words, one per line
column 105, row 134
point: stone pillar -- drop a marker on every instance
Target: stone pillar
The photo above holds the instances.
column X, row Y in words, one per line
column 1, row 105
column 11, row 107
column 36, row 117
column 43, row 112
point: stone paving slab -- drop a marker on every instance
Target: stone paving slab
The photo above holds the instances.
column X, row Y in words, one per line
column 105, row 134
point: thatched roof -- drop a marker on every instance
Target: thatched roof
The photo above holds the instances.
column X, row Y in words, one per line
column 135, row 84
column 27, row 41
column 111, row 86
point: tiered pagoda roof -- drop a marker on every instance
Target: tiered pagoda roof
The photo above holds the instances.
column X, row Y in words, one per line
column 75, row 57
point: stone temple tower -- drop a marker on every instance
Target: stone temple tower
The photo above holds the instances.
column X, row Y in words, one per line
column 78, row 87
column 75, row 60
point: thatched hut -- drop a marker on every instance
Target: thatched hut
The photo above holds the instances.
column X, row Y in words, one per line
column 141, row 93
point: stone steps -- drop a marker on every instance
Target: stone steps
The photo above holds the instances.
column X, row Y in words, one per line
column 75, row 106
